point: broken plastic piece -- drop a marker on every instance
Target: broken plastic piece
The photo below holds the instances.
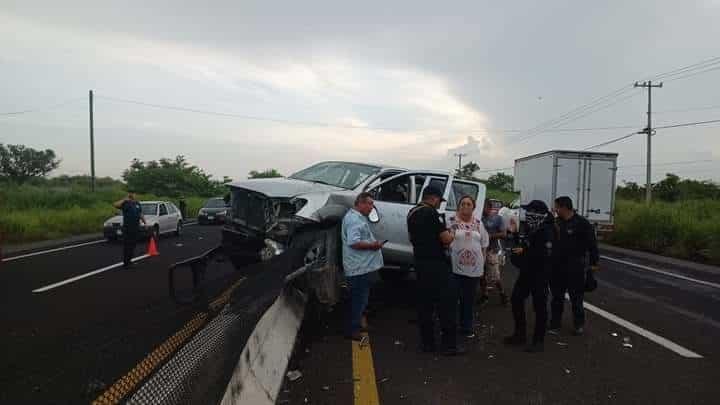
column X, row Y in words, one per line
column 326, row 388
column 567, row 371
column 398, row 343
column 490, row 357
column 403, row 396
column 614, row 334
column 179, row 244
column 628, row 345
column 562, row 344
column 383, row 380
column 294, row 375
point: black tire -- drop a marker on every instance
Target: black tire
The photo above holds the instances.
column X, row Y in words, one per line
column 178, row 230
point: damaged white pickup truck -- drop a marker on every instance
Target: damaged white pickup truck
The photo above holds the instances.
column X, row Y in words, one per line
column 303, row 211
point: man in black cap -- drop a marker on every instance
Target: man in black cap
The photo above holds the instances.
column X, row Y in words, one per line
column 435, row 283
column 132, row 216
column 532, row 255
column 575, row 245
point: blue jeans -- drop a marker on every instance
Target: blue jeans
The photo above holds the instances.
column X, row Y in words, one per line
column 467, row 287
column 359, row 294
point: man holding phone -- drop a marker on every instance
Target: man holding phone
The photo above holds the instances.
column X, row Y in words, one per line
column 361, row 256
column 132, row 216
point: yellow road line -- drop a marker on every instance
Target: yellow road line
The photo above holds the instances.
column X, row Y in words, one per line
column 129, row 382
column 365, row 390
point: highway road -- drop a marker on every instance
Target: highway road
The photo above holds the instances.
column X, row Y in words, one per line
column 74, row 321
column 652, row 334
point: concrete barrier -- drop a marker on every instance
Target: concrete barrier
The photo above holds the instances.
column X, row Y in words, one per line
column 259, row 374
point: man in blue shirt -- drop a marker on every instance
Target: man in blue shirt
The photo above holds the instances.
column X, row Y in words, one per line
column 361, row 256
column 132, row 216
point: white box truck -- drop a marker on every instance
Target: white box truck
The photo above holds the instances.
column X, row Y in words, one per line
column 588, row 178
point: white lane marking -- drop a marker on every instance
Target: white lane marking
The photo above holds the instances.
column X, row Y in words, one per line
column 42, row 252
column 86, row 275
column 666, row 273
column 95, row 242
column 642, row 332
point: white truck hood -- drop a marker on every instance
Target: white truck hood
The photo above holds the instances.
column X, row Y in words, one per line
column 283, row 187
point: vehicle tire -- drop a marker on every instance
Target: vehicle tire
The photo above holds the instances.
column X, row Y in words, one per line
column 393, row 276
column 178, row 230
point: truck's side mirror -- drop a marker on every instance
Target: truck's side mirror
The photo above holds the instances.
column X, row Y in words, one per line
column 374, row 216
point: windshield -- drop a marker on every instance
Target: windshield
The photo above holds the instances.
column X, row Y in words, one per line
column 345, row 175
column 215, row 203
column 149, row 209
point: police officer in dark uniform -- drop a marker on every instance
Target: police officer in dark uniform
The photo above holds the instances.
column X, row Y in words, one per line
column 435, row 284
column 574, row 246
column 132, row 216
column 532, row 255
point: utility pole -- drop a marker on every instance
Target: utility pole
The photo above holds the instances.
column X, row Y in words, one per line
column 92, row 145
column 649, row 131
column 460, row 156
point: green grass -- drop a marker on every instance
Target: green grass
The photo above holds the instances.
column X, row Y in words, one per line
column 31, row 213
column 504, row 196
column 687, row 230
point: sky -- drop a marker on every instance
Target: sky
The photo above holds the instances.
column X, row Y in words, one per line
column 408, row 83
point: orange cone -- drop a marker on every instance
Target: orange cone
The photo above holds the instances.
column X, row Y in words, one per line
column 152, row 248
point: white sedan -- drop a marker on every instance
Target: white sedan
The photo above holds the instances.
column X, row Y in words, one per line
column 161, row 217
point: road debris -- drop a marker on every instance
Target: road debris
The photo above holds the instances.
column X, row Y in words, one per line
column 614, row 334
column 490, row 357
column 403, row 396
column 294, row 375
column 363, row 341
column 567, row 371
column 398, row 343
column 325, row 388
column 179, row 244
column 626, row 343
column 563, row 344
column 383, row 380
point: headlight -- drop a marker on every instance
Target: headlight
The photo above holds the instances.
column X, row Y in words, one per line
column 299, row 203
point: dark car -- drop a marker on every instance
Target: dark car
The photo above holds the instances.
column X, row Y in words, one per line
column 213, row 211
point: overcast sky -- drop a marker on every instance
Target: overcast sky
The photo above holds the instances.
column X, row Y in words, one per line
column 426, row 80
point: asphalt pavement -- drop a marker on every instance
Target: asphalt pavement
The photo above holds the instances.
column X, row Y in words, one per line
column 73, row 321
column 651, row 339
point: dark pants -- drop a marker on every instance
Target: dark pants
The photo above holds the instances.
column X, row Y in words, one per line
column 467, row 287
column 526, row 285
column 571, row 280
column 436, row 292
column 130, row 236
column 359, row 295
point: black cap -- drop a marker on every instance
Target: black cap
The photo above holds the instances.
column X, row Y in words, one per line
column 433, row 191
column 536, row 206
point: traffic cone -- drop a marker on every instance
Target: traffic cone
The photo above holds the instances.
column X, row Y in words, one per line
column 152, row 247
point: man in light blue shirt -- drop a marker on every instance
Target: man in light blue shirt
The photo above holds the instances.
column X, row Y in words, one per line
column 361, row 256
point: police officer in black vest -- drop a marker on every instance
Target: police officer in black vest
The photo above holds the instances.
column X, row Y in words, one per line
column 435, row 284
column 532, row 255
column 575, row 245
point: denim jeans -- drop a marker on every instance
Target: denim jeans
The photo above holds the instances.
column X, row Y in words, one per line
column 359, row 294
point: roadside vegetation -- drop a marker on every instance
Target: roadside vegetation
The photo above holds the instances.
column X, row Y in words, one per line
column 34, row 207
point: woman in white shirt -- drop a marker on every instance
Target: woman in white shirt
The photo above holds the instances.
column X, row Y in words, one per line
column 468, row 251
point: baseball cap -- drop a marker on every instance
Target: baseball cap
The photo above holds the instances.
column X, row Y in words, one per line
column 433, row 191
column 535, row 206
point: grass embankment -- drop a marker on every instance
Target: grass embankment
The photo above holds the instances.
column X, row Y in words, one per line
column 31, row 213
column 686, row 230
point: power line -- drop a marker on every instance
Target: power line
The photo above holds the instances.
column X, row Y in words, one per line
column 329, row 125
column 712, row 107
column 686, row 162
column 693, row 74
column 682, row 70
column 688, row 124
column 611, row 141
column 41, row 109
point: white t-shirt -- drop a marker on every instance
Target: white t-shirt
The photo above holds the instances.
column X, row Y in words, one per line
column 466, row 250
